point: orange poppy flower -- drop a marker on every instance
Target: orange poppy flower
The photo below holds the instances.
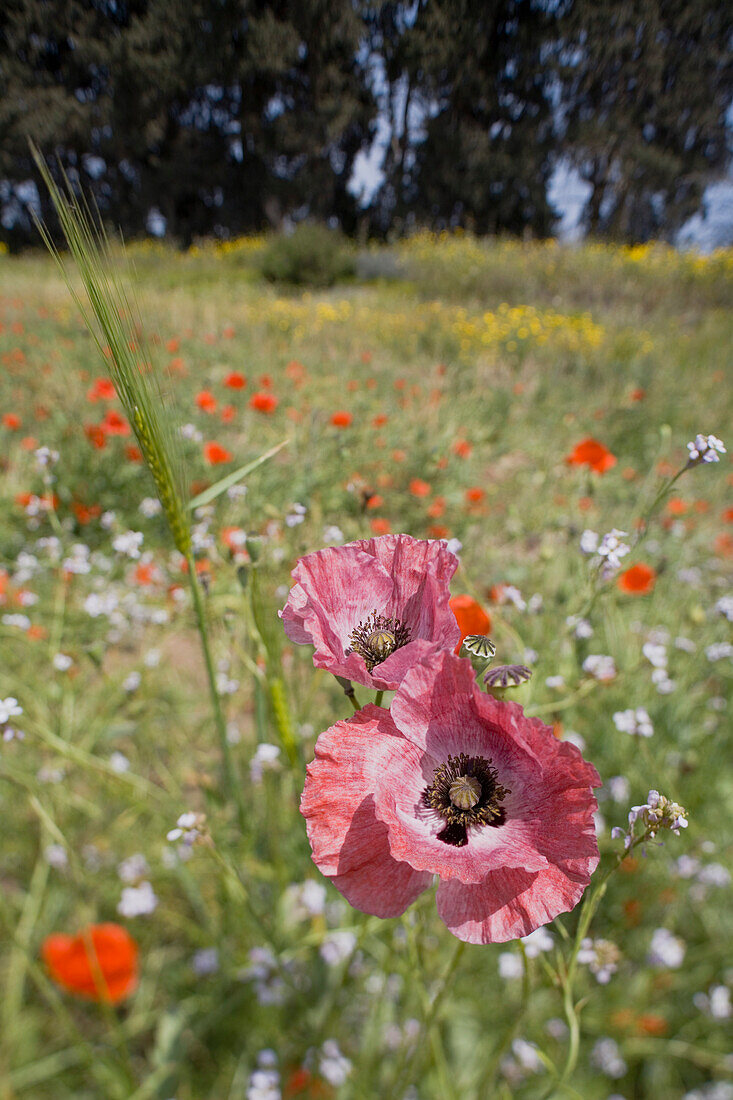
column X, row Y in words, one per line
column 11, row 421
column 462, row 448
column 380, row 420
column 235, row 381
column 676, row 506
column 589, row 452
column 342, row 419
column 206, row 401
column 96, row 435
column 227, row 414
column 100, row 963
column 420, row 488
column 215, row 454
column 263, row 402
column 133, row 453
column 638, row 394
column 470, row 616
column 473, row 496
column 638, row 580
column 437, row 508
column 380, row 526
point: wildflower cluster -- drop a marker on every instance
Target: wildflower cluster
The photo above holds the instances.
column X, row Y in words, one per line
column 658, row 813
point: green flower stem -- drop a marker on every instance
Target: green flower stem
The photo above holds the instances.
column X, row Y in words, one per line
column 378, row 699
column 232, row 780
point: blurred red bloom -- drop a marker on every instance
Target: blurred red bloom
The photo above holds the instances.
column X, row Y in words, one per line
column 114, row 423
column 101, row 389
column 470, row 616
column 100, row 963
column 263, row 402
column 96, row 435
column 380, row 526
column 380, row 420
column 473, row 496
column 215, row 454
column 420, row 488
column 593, row 454
column 206, row 401
column 133, row 453
column 235, row 381
column 342, row 419
column 227, row 414
column 11, row 421
column 638, row 580
column 638, row 395
column 462, row 448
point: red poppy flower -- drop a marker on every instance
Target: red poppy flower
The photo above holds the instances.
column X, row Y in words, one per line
column 473, row 496
column 206, row 401
column 638, row 580
column 100, row 963
column 133, row 453
column 380, row 420
column 263, row 402
column 593, row 454
column 101, row 389
column 227, row 414
column 420, row 488
column 638, row 394
column 96, row 435
column 437, row 508
column 452, row 782
column 114, row 423
column 235, row 381
column 470, row 616
column 11, row 421
column 368, row 606
column 462, row 448
column 215, row 454
column 342, row 419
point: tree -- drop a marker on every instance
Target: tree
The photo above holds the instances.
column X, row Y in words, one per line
column 645, row 91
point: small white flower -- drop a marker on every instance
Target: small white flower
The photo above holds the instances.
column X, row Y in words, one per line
column 56, row 856
column 22, row 622
column 635, row 722
column 589, row 542
column 510, row 966
column 719, row 651
column 190, row 431
column 266, row 758
column 606, row 1056
column 9, row 708
column 45, row 457
column 137, row 901
column 666, row 949
column 555, row 682
column 455, row 546
column 62, row 662
column 538, row 941
column 599, row 666
column 119, row 763
column 716, row 1002
column 724, row 606
column 150, row 506
column 132, row 682
column 333, row 1066
column 337, row 946
column 581, row 628
column 129, row 543
column 133, row 868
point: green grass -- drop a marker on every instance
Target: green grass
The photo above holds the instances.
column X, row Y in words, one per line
column 519, row 352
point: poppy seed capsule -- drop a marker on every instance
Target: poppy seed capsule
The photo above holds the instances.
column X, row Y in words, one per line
column 465, row 792
column 380, row 644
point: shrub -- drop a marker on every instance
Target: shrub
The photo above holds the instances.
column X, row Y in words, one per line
column 313, row 255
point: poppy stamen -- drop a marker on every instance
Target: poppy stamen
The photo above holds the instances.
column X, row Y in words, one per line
column 465, row 792
column 377, row 638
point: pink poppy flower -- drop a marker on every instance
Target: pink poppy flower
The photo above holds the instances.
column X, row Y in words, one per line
column 367, row 606
column 455, row 783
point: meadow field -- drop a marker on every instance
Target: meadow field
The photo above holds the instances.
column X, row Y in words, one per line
column 441, row 392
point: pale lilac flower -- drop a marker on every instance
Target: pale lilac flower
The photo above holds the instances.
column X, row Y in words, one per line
column 131, row 682
column 56, row 856
column 150, row 506
column 62, row 662
column 332, row 534
column 581, row 628
column 719, row 651
column 724, row 606
column 205, row 961
column 705, row 448
column 510, row 966
column 129, row 543
column 537, row 942
column 45, row 457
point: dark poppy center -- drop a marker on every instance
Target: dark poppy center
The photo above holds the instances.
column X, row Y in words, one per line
column 377, row 638
column 465, row 792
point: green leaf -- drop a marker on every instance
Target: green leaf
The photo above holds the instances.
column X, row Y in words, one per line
column 225, row 483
